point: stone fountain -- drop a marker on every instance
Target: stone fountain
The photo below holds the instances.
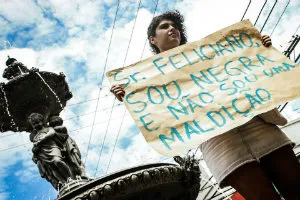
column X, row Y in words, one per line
column 32, row 100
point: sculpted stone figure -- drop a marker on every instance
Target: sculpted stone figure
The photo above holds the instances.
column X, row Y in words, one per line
column 55, row 153
column 14, row 69
column 73, row 155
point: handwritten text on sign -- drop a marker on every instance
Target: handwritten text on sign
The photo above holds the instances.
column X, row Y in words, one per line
column 189, row 94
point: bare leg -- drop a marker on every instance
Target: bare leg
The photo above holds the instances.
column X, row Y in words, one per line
column 283, row 169
column 252, row 183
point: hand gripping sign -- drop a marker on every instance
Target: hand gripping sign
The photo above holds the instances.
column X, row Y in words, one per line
column 189, row 94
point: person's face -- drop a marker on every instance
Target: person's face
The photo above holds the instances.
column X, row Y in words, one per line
column 167, row 36
column 36, row 124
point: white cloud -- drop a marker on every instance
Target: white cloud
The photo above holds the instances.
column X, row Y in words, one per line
column 3, row 195
column 4, row 27
column 88, row 43
column 75, row 30
column 110, row 2
column 72, row 13
column 45, row 27
column 21, row 13
column 201, row 21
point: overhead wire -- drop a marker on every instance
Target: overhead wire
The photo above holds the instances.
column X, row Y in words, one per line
column 117, row 138
column 88, row 113
column 74, row 130
column 279, row 107
column 298, row 58
column 101, row 80
column 297, row 29
column 103, row 141
column 246, row 10
column 77, row 116
column 260, row 12
column 101, row 150
column 21, row 145
column 269, row 16
column 288, row 43
column 144, row 48
column 287, row 53
column 115, row 143
column 8, row 135
column 81, row 102
column 126, row 54
column 280, row 17
column 147, row 37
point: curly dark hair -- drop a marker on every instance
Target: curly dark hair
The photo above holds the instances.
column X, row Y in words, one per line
column 178, row 21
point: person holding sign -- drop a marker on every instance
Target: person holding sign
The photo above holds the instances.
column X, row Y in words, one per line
column 251, row 157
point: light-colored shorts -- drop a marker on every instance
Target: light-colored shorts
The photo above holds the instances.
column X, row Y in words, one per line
column 247, row 143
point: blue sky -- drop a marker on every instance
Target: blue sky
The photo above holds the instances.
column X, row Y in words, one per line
column 73, row 37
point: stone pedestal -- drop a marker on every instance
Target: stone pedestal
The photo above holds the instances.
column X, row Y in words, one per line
column 160, row 181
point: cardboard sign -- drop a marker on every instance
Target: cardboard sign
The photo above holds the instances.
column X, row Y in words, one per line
column 189, row 94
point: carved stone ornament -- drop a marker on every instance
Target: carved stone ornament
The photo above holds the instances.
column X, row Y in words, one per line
column 56, row 154
column 160, row 181
column 29, row 91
